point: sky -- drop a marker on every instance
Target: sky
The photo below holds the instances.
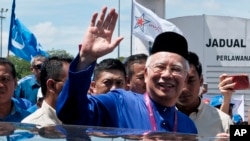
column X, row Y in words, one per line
column 61, row 24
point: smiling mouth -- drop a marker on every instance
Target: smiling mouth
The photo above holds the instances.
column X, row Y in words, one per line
column 164, row 85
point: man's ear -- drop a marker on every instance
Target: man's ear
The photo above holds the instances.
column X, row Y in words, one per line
column 51, row 85
column 92, row 87
column 15, row 83
column 187, row 77
column 145, row 74
column 201, row 80
column 127, row 82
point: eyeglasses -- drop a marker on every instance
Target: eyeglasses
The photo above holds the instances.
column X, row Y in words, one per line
column 37, row 67
column 161, row 68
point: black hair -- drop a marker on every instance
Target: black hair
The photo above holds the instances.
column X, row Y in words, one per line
column 193, row 59
column 5, row 61
column 132, row 59
column 52, row 68
column 108, row 64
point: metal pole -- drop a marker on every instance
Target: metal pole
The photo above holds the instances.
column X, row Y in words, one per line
column 1, row 33
column 131, row 28
column 149, row 47
column 119, row 17
column 2, row 17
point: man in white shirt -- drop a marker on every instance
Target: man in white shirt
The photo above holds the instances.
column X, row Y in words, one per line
column 54, row 73
column 209, row 120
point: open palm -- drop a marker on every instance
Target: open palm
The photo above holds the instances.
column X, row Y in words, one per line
column 97, row 41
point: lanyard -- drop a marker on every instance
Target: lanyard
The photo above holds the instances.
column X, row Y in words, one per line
column 152, row 117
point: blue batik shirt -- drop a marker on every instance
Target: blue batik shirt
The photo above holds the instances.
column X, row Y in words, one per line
column 27, row 88
column 17, row 113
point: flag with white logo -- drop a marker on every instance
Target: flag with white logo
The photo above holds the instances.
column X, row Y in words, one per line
column 147, row 25
column 22, row 42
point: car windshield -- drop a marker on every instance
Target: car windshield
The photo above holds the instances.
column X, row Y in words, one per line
column 20, row 131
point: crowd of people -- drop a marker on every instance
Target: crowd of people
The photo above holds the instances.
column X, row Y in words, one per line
column 161, row 91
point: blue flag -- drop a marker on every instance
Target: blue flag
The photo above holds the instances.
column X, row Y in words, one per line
column 22, row 42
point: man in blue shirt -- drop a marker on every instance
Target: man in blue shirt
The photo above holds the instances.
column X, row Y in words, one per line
column 109, row 74
column 28, row 86
column 165, row 75
column 11, row 109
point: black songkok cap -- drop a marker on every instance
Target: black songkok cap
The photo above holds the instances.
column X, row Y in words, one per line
column 170, row 42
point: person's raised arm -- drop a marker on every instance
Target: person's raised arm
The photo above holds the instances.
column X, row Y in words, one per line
column 73, row 105
column 97, row 41
column 226, row 88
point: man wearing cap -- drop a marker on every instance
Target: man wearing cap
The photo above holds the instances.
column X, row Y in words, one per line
column 165, row 75
column 218, row 100
column 237, row 119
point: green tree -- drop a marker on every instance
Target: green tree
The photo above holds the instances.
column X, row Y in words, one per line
column 121, row 58
column 59, row 52
column 23, row 66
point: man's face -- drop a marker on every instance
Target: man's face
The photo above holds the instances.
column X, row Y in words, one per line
column 54, row 86
column 192, row 88
column 108, row 80
column 137, row 83
column 63, row 77
column 7, row 84
column 36, row 69
column 165, row 86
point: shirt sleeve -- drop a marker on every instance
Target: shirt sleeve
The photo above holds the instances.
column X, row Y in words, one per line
column 72, row 103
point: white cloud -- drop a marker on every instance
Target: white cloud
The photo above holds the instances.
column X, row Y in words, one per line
column 211, row 5
column 45, row 32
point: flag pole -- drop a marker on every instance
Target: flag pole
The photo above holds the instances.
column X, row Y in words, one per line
column 2, row 17
column 131, row 29
column 149, row 47
column 119, row 17
column 12, row 18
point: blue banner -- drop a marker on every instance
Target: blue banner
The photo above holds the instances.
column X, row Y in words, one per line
column 22, row 42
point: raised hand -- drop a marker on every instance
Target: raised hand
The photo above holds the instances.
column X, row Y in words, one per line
column 97, row 41
column 226, row 85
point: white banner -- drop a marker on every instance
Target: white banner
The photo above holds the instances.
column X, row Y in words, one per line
column 147, row 25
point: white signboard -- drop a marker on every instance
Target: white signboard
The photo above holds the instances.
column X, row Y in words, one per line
column 225, row 41
column 223, row 46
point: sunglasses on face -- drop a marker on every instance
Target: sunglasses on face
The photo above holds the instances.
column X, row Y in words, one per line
column 37, row 67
